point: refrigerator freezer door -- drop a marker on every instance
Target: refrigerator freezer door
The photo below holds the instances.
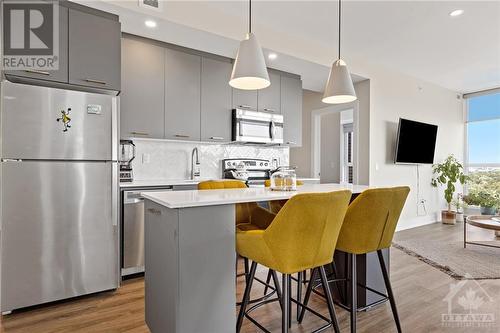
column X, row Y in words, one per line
column 59, row 231
column 55, row 124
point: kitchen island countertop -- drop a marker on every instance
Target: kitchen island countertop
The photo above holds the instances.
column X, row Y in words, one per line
column 185, row 199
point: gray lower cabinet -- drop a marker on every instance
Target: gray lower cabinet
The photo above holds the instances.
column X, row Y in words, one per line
column 291, row 107
column 142, row 95
column 61, row 74
column 244, row 99
column 94, row 50
column 190, row 271
column 269, row 99
column 215, row 100
column 182, row 95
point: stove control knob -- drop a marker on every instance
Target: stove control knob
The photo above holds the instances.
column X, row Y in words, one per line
column 261, row 163
column 266, row 164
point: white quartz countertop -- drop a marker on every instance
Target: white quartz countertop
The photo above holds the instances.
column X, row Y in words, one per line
column 174, row 182
column 195, row 198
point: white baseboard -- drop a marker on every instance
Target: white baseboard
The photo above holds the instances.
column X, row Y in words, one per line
column 417, row 221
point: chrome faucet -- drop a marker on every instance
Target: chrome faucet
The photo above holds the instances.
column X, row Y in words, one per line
column 195, row 164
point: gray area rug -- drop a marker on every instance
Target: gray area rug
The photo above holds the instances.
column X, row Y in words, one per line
column 472, row 263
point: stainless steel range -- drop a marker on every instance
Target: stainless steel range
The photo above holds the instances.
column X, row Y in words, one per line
column 250, row 170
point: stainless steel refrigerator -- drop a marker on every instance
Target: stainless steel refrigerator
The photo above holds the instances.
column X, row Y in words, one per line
column 59, row 194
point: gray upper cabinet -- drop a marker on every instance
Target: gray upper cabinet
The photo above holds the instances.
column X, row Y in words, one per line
column 215, row 100
column 182, row 95
column 94, row 50
column 244, row 99
column 142, row 95
column 61, row 74
column 269, row 99
column 174, row 93
column 291, row 106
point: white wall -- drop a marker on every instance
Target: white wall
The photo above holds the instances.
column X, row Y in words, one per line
column 382, row 100
column 330, row 148
column 394, row 95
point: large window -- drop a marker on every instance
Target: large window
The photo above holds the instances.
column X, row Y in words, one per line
column 483, row 146
column 483, row 131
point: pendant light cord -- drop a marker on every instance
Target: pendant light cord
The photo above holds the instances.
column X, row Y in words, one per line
column 340, row 16
column 250, row 16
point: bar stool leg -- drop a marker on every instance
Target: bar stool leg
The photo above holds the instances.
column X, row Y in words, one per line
column 389, row 289
column 268, row 280
column 277, row 286
column 285, row 304
column 354, row 293
column 299, row 292
column 246, row 296
column 245, row 262
column 338, row 285
column 329, row 299
column 307, row 295
column 289, row 301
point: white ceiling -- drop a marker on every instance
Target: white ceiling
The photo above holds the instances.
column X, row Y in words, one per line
column 417, row 38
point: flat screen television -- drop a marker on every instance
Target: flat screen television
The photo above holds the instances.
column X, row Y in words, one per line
column 416, row 142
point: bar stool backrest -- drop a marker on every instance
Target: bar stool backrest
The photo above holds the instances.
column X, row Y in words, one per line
column 371, row 220
column 304, row 232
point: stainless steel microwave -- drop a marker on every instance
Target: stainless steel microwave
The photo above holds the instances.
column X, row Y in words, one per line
column 257, row 127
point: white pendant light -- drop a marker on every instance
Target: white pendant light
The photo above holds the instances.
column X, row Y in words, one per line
column 249, row 70
column 339, row 88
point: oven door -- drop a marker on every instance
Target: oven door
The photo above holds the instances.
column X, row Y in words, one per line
column 257, row 127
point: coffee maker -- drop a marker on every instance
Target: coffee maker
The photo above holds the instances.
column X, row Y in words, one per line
column 127, row 155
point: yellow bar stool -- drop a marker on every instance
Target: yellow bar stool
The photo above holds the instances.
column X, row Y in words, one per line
column 369, row 226
column 302, row 236
column 275, row 206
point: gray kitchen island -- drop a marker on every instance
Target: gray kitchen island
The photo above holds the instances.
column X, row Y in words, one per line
column 190, row 255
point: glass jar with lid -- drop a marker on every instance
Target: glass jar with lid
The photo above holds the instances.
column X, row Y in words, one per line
column 284, row 179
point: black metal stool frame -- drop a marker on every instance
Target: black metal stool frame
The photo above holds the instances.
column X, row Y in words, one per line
column 285, row 299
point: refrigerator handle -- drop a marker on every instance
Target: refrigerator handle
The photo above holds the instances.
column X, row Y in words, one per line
column 115, row 135
column 114, row 194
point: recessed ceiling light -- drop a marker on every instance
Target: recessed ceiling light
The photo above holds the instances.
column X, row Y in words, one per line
column 150, row 24
column 457, row 12
column 272, row 56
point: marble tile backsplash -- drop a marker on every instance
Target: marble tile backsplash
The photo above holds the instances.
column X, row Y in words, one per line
column 172, row 160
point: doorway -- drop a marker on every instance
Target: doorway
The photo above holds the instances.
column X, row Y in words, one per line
column 334, row 144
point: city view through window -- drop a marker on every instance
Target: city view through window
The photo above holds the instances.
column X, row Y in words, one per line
column 483, row 150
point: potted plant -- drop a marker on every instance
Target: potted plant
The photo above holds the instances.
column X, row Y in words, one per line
column 459, row 204
column 487, row 200
column 448, row 174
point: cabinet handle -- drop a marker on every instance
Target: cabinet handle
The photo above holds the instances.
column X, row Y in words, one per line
column 216, row 138
column 96, row 81
column 291, row 143
column 245, row 106
column 181, row 136
column 139, row 133
column 33, row 71
column 269, row 110
column 154, row 211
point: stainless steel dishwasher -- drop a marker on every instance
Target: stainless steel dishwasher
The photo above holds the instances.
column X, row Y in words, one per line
column 133, row 230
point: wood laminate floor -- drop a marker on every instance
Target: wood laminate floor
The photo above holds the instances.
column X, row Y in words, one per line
column 419, row 288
